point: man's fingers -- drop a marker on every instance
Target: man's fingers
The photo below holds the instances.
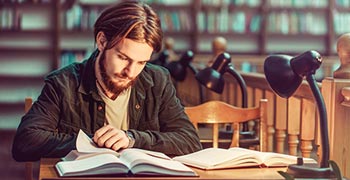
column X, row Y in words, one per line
column 123, row 142
column 110, row 137
column 102, row 134
column 113, row 139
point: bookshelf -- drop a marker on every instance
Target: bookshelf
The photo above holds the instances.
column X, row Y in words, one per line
column 38, row 36
column 28, row 51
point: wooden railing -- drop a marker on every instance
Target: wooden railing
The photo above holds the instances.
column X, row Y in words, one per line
column 285, row 116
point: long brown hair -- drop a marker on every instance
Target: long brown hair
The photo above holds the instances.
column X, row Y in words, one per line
column 130, row 19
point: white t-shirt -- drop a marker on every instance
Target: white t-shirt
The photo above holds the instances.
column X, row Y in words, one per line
column 117, row 110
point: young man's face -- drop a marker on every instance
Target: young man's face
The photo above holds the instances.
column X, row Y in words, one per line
column 120, row 66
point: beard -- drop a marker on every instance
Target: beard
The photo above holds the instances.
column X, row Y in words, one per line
column 111, row 86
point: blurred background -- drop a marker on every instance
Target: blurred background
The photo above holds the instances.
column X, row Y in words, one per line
column 38, row 36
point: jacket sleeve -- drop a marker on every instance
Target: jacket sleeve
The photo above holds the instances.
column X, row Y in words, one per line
column 176, row 135
column 37, row 134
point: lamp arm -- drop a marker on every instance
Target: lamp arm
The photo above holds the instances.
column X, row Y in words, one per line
column 192, row 68
column 323, row 119
column 241, row 83
column 195, row 71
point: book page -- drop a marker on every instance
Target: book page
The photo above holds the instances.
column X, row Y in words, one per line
column 140, row 162
column 98, row 164
column 224, row 158
column 75, row 155
column 86, row 145
column 151, row 153
column 271, row 159
column 87, row 148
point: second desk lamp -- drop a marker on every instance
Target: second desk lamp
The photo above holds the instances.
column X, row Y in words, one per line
column 178, row 69
column 284, row 75
column 212, row 78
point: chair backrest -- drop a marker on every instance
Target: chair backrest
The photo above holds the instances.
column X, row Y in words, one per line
column 28, row 165
column 218, row 112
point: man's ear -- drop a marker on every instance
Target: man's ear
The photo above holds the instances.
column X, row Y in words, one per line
column 101, row 41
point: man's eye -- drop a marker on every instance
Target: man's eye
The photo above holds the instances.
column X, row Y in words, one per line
column 142, row 62
column 122, row 57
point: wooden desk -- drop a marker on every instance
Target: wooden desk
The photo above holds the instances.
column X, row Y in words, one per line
column 48, row 172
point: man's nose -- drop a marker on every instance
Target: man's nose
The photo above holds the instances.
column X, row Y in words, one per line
column 131, row 70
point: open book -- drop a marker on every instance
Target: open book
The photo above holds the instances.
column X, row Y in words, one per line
column 88, row 159
column 217, row 158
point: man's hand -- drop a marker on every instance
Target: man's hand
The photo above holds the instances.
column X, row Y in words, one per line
column 110, row 137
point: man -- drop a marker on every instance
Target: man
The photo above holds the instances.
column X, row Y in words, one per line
column 114, row 96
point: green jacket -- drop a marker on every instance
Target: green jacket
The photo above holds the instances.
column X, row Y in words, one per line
column 70, row 101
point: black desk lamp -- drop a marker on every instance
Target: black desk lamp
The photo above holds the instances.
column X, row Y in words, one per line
column 178, row 69
column 285, row 74
column 212, row 78
column 162, row 58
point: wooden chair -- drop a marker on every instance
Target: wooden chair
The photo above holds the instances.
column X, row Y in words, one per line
column 218, row 112
column 28, row 165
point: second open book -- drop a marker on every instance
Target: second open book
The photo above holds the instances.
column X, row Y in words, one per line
column 217, row 158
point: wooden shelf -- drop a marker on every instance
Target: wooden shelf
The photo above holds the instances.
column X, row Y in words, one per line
column 77, row 32
column 24, row 50
column 299, row 36
column 25, row 32
column 25, row 4
column 167, row 7
column 12, row 105
column 227, row 34
column 298, row 9
column 21, row 78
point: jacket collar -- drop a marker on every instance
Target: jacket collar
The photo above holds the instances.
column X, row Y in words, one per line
column 87, row 81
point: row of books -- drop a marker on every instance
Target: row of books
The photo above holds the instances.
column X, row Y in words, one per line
column 341, row 22
column 296, row 23
column 69, row 57
column 250, row 3
column 342, row 3
column 256, row 3
column 225, row 21
column 297, row 3
column 9, row 19
column 169, row 2
column 176, row 21
column 78, row 18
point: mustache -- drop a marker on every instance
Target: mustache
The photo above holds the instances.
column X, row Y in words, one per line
column 123, row 76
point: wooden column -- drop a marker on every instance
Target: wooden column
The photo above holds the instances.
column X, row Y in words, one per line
column 293, row 124
column 270, row 96
column 281, row 123
column 338, row 121
column 336, row 96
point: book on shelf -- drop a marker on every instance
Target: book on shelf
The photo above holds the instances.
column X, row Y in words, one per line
column 237, row 158
column 89, row 160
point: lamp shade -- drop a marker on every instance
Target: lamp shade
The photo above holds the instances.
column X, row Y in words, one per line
column 212, row 77
column 177, row 69
column 285, row 73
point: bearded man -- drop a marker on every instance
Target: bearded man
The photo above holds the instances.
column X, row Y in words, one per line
column 114, row 96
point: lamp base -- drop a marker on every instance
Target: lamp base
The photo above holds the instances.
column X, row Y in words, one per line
column 301, row 170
